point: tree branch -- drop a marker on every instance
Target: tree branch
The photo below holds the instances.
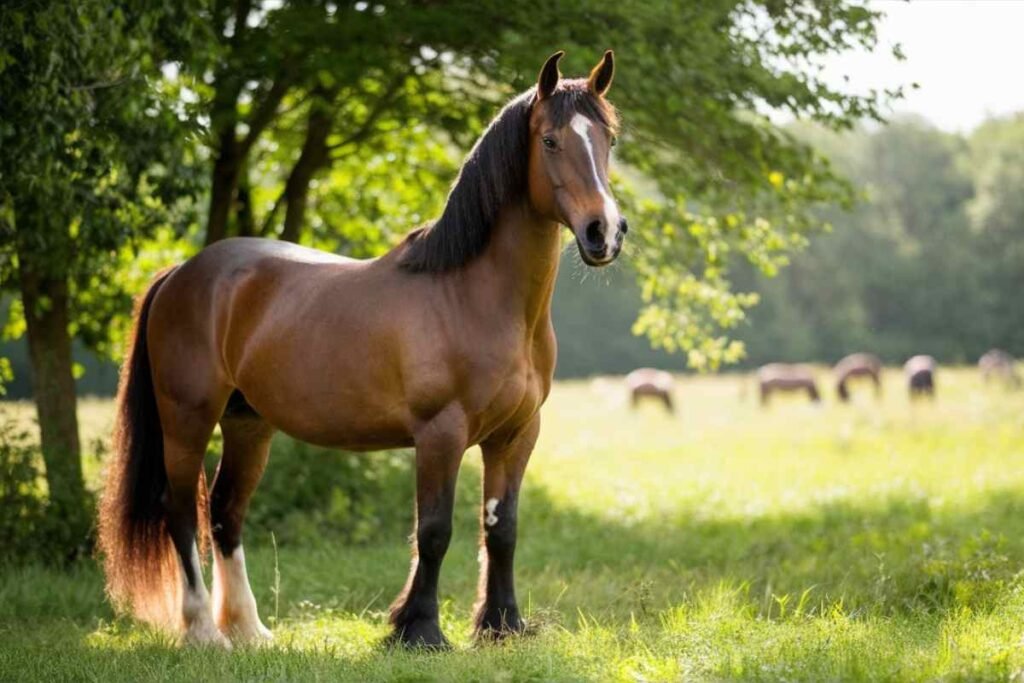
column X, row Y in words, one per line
column 263, row 113
column 378, row 109
column 268, row 220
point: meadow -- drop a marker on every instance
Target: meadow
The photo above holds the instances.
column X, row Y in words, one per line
column 872, row 541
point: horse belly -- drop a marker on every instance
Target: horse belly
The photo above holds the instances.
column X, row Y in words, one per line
column 354, row 424
column 335, row 392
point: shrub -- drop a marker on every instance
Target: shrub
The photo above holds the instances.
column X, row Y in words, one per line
column 308, row 493
column 30, row 529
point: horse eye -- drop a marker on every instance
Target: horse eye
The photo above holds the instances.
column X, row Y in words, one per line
column 549, row 142
column 615, row 140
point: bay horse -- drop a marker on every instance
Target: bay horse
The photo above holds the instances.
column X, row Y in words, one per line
column 443, row 343
column 650, row 383
column 920, row 372
column 1000, row 365
column 775, row 377
column 857, row 365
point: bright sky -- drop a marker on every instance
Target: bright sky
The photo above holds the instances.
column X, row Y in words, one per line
column 967, row 56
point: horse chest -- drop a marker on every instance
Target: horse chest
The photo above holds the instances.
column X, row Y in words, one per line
column 514, row 393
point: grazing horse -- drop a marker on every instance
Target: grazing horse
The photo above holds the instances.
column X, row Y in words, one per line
column 920, row 372
column 1000, row 365
column 648, row 382
column 785, row 377
column 857, row 365
column 443, row 343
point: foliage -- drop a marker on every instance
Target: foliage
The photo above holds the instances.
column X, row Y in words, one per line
column 930, row 262
column 93, row 158
column 349, row 143
column 309, row 495
column 94, row 148
column 31, row 530
column 420, row 81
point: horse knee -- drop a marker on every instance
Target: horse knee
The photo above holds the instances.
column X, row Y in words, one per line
column 499, row 526
column 433, row 534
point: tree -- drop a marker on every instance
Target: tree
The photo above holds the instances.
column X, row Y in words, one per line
column 996, row 160
column 88, row 147
column 698, row 80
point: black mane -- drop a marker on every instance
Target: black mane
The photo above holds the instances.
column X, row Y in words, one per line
column 494, row 175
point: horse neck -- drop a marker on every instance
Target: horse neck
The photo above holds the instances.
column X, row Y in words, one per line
column 521, row 262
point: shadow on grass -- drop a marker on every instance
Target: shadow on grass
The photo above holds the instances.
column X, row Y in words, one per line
column 886, row 556
column 894, row 558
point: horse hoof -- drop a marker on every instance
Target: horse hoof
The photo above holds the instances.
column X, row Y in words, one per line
column 206, row 635
column 499, row 624
column 248, row 634
column 419, row 634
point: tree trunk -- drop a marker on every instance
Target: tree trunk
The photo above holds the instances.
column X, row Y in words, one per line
column 226, row 168
column 246, row 218
column 45, row 299
column 312, row 159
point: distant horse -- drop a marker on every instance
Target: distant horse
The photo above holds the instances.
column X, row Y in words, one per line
column 920, row 372
column 857, row 365
column 442, row 343
column 784, row 377
column 1000, row 365
column 648, row 382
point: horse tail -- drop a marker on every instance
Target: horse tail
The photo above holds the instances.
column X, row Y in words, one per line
column 138, row 555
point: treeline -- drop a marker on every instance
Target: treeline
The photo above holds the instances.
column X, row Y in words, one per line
column 930, row 261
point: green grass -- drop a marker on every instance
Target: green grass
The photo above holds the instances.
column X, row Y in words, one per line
column 869, row 541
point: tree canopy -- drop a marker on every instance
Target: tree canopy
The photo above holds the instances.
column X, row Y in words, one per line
column 133, row 132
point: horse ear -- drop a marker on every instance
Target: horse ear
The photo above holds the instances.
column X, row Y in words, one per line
column 549, row 75
column 601, row 76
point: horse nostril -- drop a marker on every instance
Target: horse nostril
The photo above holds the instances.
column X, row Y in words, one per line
column 594, row 232
column 623, row 226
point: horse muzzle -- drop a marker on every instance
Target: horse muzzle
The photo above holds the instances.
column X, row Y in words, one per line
column 595, row 248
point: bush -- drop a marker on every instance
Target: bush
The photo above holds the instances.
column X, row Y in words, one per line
column 309, row 493
column 306, row 495
column 30, row 528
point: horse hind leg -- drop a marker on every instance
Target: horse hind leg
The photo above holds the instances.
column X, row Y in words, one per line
column 246, row 448
column 187, row 429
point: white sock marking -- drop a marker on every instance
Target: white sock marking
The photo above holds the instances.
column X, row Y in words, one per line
column 581, row 126
column 195, row 605
column 490, row 506
column 234, row 603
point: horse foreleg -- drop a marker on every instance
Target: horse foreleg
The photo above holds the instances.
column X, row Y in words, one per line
column 497, row 613
column 246, row 447
column 439, row 449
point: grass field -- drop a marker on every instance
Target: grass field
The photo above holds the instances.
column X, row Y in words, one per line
column 871, row 541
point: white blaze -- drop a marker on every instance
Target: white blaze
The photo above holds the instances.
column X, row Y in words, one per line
column 581, row 126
